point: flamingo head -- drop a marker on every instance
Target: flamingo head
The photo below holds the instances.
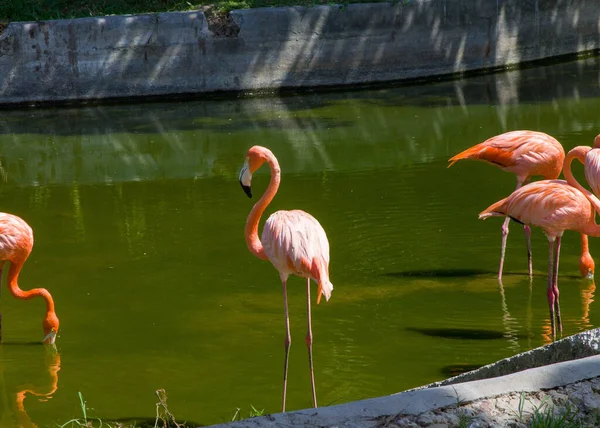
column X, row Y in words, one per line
column 255, row 157
column 587, row 266
column 246, row 178
column 50, row 325
column 597, row 142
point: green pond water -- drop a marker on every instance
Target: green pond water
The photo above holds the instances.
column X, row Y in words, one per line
column 139, row 217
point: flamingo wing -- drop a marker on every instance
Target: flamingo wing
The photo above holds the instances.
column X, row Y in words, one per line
column 525, row 153
column 553, row 205
column 15, row 234
column 294, row 241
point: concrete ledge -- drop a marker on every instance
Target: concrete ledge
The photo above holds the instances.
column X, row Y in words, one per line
column 364, row 413
column 580, row 345
column 176, row 53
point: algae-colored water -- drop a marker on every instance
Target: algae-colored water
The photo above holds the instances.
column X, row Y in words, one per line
column 139, row 218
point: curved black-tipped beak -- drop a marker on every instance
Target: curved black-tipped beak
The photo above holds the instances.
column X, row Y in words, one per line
column 247, row 190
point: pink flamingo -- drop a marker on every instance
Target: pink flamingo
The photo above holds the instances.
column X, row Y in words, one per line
column 555, row 206
column 16, row 242
column 525, row 154
column 293, row 241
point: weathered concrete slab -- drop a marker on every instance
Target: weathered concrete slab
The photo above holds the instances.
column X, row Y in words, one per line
column 580, row 345
column 364, row 412
column 176, row 53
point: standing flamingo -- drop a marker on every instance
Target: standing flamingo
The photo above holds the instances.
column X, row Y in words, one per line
column 555, row 206
column 293, row 241
column 16, row 242
column 525, row 154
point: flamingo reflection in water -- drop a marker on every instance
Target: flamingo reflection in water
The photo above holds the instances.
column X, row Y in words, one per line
column 15, row 398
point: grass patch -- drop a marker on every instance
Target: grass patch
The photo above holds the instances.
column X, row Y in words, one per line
column 40, row 10
column 164, row 418
column 546, row 415
column 252, row 414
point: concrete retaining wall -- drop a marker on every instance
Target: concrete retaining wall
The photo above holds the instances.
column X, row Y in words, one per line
column 177, row 53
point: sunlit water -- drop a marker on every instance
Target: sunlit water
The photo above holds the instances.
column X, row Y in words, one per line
column 139, row 218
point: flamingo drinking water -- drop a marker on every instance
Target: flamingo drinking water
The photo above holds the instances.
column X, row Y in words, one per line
column 555, row 206
column 293, row 241
column 525, row 154
column 16, row 242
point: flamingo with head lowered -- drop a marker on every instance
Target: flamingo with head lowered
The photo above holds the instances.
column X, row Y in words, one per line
column 554, row 206
column 293, row 241
column 16, row 242
column 525, row 154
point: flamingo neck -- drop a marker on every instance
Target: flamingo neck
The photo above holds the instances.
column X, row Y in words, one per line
column 13, row 286
column 579, row 153
column 585, row 249
column 251, row 231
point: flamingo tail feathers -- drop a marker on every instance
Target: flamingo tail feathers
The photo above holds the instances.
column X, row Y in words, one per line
column 495, row 210
column 325, row 289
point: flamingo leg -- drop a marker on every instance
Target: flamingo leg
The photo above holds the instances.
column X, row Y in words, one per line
column 503, row 250
column 529, row 260
column 288, row 341
column 555, row 283
column 309, row 339
column 520, row 182
column 550, row 291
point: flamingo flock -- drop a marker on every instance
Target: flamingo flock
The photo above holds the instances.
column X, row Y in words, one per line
column 295, row 243
column 553, row 205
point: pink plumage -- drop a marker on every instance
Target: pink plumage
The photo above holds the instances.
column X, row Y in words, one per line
column 555, row 206
column 16, row 243
column 296, row 243
column 293, row 241
column 525, row 154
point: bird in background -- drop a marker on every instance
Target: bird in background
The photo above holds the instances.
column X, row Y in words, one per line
column 293, row 241
column 554, row 206
column 525, row 154
column 16, row 242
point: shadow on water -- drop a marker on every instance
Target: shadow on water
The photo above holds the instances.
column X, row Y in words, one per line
column 440, row 273
column 459, row 333
column 457, row 273
column 22, row 344
column 457, row 369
